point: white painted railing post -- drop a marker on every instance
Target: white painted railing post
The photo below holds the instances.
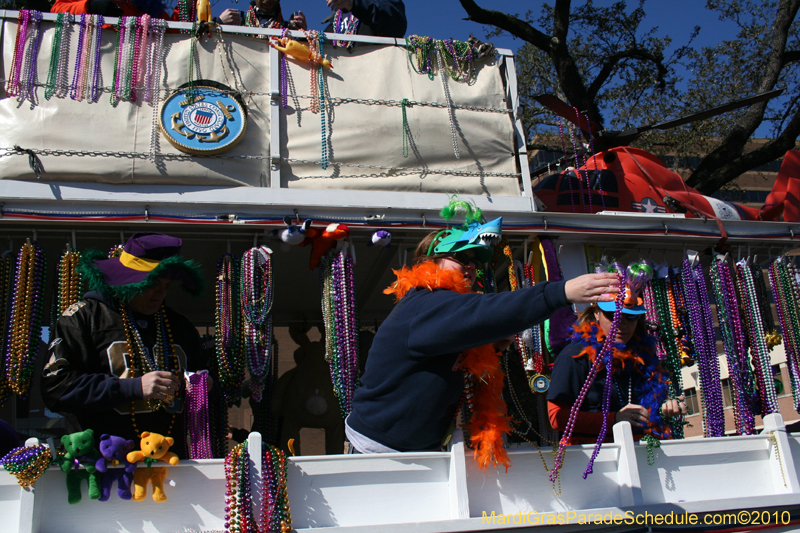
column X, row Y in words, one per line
column 457, row 486
column 786, row 478
column 254, row 450
column 630, row 486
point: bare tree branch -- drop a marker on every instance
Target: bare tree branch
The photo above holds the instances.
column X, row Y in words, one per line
column 792, row 56
column 613, row 60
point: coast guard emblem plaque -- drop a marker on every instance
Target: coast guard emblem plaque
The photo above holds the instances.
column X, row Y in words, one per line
column 206, row 122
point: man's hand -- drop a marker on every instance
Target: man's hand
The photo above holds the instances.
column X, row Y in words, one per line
column 160, row 385
column 107, row 8
column 344, row 5
column 231, row 16
column 637, row 415
column 592, row 288
column 298, row 21
column 674, row 407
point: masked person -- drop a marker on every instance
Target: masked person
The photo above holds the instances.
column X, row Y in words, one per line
column 441, row 335
column 118, row 356
column 639, row 392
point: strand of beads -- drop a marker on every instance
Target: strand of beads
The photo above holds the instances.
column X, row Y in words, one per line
column 578, row 172
column 59, row 50
column 25, row 325
column 608, row 347
column 451, row 112
column 197, row 416
column 74, row 93
column 341, row 325
column 735, row 347
column 606, row 355
column 533, row 336
column 94, row 86
column 785, row 302
column 771, row 334
column 68, row 283
column 346, row 24
column 702, row 332
column 82, row 83
column 141, row 362
column 256, row 297
column 152, row 79
column 28, row 463
column 6, row 273
column 15, row 75
column 25, row 79
column 459, row 54
column 230, row 359
column 275, row 513
column 419, row 50
column 759, row 352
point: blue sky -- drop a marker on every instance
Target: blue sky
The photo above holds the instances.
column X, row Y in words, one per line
column 443, row 19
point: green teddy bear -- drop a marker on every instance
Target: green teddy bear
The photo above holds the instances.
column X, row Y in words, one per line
column 81, row 449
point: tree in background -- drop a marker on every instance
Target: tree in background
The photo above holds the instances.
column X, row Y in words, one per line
column 600, row 61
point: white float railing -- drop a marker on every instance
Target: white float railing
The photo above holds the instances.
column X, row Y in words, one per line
column 444, row 491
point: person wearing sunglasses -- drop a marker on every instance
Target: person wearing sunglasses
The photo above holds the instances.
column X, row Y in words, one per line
column 414, row 379
column 639, row 389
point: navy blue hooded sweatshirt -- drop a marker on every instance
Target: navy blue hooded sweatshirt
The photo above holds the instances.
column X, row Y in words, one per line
column 410, row 390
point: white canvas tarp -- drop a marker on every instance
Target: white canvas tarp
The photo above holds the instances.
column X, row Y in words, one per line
column 100, row 143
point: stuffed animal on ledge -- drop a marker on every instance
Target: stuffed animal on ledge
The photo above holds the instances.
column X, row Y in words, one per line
column 300, row 52
column 154, row 448
column 81, row 450
column 322, row 241
column 114, row 451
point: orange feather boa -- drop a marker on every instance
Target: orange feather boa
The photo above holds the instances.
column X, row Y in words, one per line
column 489, row 421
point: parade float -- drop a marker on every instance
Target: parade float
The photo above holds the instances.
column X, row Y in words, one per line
column 244, row 144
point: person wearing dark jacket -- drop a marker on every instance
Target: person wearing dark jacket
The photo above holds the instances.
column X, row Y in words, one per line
column 117, row 358
column 263, row 14
column 438, row 348
column 639, row 391
column 382, row 18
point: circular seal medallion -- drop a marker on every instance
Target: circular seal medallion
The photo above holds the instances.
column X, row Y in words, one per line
column 206, row 121
column 539, row 383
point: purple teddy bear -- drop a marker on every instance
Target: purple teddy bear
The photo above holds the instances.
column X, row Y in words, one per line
column 115, row 450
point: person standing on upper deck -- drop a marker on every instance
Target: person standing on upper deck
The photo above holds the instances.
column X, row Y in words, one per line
column 263, row 14
column 381, row 18
column 115, row 8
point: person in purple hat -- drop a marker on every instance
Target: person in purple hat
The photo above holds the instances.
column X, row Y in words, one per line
column 117, row 358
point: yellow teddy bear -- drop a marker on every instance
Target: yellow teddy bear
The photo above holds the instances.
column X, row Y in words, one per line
column 154, row 448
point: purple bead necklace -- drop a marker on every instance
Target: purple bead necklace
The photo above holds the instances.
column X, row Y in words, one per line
column 735, row 347
column 196, row 415
column 605, row 357
column 340, row 317
column 702, row 331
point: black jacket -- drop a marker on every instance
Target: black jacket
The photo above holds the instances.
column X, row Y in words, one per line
column 86, row 376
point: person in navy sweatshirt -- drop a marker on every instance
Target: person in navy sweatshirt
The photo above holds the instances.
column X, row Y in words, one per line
column 117, row 357
column 414, row 381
